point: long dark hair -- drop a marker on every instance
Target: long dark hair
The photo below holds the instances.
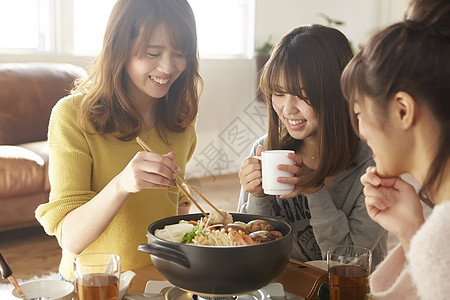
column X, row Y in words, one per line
column 413, row 57
column 106, row 104
column 313, row 56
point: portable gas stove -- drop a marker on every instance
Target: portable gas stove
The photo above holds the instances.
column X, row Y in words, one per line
column 164, row 290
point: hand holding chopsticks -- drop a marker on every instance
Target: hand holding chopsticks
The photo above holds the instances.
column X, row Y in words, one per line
column 179, row 181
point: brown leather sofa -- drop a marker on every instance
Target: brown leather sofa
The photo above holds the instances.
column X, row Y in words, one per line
column 28, row 92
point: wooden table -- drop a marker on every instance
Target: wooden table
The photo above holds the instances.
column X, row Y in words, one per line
column 142, row 276
column 297, row 278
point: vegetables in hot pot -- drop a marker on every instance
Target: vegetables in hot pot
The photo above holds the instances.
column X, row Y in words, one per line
column 219, row 230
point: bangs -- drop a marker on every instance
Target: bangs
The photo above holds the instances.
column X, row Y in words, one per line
column 182, row 35
column 353, row 85
column 282, row 75
column 178, row 41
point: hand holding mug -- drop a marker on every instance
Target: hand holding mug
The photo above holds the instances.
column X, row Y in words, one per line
column 301, row 175
column 250, row 175
column 275, row 172
column 272, row 164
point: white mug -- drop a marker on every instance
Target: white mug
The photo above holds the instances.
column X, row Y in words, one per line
column 269, row 164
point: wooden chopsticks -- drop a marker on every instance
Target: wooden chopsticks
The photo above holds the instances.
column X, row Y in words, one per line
column 180, row 181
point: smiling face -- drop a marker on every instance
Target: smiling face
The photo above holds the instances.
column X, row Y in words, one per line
column 296, row 114
column 151, row 76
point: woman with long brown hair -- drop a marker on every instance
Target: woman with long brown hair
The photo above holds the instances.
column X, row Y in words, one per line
column 105, row 190
column 308, row 114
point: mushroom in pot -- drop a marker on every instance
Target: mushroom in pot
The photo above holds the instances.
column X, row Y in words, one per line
column 264, row 236
column 257, row 225
column 235, row 227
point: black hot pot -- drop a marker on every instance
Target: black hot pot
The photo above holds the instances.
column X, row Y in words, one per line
column 208, row 270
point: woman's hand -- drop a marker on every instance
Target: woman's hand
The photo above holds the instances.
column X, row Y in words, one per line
column 148, row 170
column 84, row 225
column 250, row 175
column 394, row 204
column 302, row 174
column 183, row 208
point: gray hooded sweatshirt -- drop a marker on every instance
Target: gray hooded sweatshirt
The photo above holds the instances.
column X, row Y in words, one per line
column 334, row 215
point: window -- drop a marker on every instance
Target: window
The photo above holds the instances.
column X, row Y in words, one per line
column 225, row 28
column 89, row 25
column 25, row 25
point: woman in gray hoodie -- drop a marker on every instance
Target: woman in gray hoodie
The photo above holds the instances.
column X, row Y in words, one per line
column 308, row 114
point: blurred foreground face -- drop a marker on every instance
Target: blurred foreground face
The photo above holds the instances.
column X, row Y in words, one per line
column 382, row 136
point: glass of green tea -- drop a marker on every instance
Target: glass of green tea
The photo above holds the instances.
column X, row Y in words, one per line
column 348, row 269
column 97, row 276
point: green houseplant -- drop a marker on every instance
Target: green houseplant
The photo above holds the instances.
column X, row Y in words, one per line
column 336, row 23
column 266, row 48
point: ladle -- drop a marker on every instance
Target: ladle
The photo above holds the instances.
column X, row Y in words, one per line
column 7, row 274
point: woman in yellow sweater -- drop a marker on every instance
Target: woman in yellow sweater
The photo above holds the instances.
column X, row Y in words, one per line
column 105, row 191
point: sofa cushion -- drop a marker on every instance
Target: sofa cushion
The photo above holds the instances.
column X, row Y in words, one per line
column 22, row 172
column 18, row 211
column 41, row 149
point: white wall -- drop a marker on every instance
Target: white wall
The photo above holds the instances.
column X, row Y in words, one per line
column 362, row 17
column 230, row 119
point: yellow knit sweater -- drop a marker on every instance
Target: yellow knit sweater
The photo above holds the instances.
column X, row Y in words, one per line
column 82, row 164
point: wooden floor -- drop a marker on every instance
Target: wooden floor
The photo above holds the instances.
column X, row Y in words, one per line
column 30, row 252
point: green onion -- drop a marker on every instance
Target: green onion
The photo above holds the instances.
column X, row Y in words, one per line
column 188, row 237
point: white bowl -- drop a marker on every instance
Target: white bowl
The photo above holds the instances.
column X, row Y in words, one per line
column 53, row 289
column 124, row 284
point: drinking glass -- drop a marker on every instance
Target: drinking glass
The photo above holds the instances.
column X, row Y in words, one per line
column 348, row 269
column 97, row 276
